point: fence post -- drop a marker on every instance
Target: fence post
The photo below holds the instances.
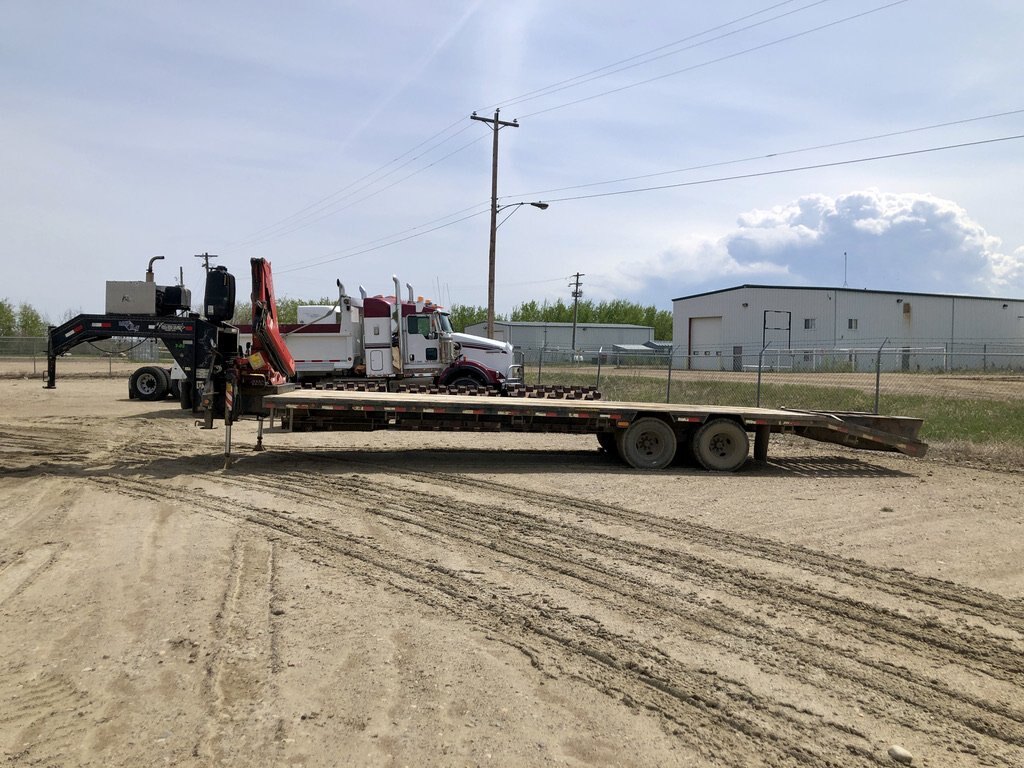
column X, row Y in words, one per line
column 760, row 363
column 668, row 387
column 540, row 364
column 878, row 373
column 600, row 354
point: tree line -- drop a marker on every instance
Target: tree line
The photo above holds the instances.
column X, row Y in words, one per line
column 24, row 320
column 616, row 311
column 21, row 321
column 287, row 309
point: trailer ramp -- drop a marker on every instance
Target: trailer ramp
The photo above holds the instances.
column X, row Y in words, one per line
column 866, row 431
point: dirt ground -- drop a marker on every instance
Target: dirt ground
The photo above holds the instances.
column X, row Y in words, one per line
column 436, row 599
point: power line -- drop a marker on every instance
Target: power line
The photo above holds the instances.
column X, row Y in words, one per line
column 698, row 182
column 516, row 284
column 718, row 60
column 359, row 246
column 383, row 245
column 615, row 68
column 780, row 171
column 326, row 213
column 360, row 179
column 771, row 155
column 411, row 232
column 324, row 207
column 323, row 213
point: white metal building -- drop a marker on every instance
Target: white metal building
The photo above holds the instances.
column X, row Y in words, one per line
column 805, row 327
column 589, row 336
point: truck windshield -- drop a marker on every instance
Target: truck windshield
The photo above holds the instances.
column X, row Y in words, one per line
column 443, row 322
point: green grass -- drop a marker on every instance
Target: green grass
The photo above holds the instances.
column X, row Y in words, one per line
column 946, row 419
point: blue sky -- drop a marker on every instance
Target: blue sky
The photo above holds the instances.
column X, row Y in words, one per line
column 334, row 139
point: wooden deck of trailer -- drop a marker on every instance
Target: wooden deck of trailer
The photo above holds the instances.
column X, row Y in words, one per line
column 325, row 410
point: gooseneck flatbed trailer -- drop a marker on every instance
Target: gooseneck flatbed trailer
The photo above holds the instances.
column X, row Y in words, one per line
column 644, row 435
column 223, row 383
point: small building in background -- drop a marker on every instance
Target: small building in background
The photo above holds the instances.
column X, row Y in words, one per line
column 842, row 328
column 554, row 338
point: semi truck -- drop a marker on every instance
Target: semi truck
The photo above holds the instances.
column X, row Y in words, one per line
column 230, row 384
column 377, row 339
column 388, row 340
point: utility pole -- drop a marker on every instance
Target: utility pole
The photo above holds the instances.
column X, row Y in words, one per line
column 577, row 292
column 206, row 259
column 496, row 125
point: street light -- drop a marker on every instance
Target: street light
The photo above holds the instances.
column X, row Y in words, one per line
column 495, row 209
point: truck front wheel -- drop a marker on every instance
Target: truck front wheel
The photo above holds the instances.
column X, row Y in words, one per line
column 466, row 381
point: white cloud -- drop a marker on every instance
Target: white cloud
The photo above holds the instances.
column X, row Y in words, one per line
column 900, row 241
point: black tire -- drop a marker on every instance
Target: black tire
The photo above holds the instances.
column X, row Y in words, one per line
column 647, row 443
column 165, row 374
column 607, row 442
column 465, row 380
column 721, row 445
column 186, row 394
column 149, row 383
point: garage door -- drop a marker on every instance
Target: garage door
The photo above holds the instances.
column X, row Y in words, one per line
column 706, row 343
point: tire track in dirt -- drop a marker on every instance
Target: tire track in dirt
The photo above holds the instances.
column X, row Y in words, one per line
column 239, row 686
column 48, row 714
column 935, row 592
column 615, row 663
column 721, row 717
column 995, row 656
column 544, row 545
column 24, row 568
column 918, row 633
column 35, row 444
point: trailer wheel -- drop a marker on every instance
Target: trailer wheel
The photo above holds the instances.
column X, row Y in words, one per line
column 647, row 444
column 721, row 445
column 148, row 383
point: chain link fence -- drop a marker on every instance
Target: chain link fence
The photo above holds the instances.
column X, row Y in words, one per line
column 954, row 391
column 976, row 392
column 26, row 357
column 824, row 379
